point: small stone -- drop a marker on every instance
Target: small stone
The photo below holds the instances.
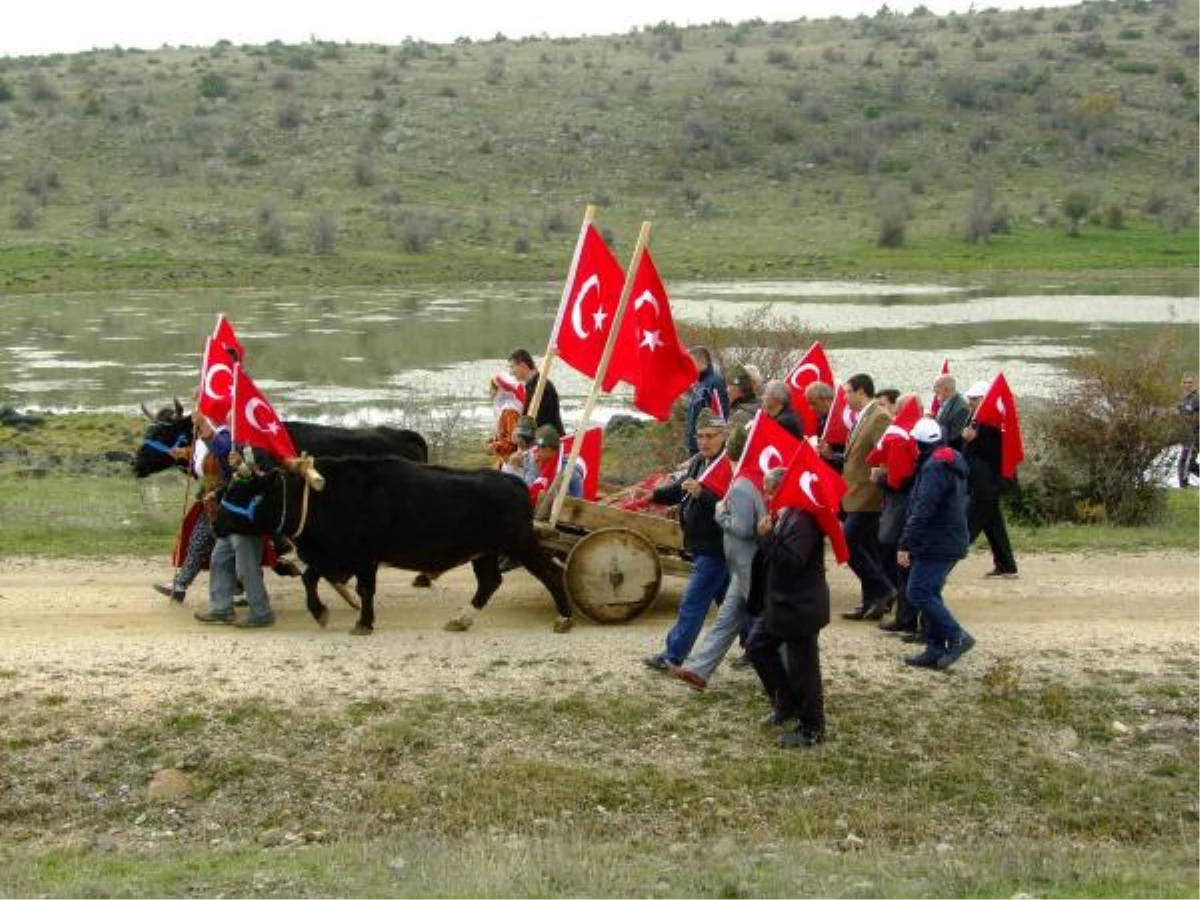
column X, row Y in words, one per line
column 398, row 865
column 943, row 847
column 851, row 843
column 169, row 785
column 1120, row 728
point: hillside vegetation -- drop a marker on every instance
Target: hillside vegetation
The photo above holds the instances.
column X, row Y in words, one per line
column 1049, row 140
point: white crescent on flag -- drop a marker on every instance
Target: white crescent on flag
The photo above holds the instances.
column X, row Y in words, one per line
column 765, row 459
column 592, row 283
column 644, row 298
column 794, row 379
column 209, row 391
column 251, row 409
column 806, row 483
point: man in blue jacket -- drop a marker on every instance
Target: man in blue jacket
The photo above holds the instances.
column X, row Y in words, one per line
column 935, row 537
column 709, row 385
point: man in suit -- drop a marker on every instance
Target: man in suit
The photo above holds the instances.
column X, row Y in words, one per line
column 953, row 414
column 864, row 500
column 983, row 447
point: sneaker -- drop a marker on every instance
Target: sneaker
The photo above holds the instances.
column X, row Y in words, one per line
column 240, row 600
column 776, row 719
column 208, row 617
column 1000, row 573
column 955, row 651
column 657, row 661
column 688, row 677
column 256, row 623
column 930, row 659
column 800, row 738
column 169, row 590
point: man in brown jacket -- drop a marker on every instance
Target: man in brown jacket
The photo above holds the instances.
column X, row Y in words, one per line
column 864, row 499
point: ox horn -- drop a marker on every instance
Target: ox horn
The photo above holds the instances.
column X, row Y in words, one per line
column 178, row 409
column 306, row 468
column 146, row 412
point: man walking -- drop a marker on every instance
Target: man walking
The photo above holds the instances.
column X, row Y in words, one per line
column 1189, row 412
column 953, row 412
column 864, row 500
column 983, row 446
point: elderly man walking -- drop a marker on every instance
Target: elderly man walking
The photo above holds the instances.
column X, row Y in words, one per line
column 953, row 413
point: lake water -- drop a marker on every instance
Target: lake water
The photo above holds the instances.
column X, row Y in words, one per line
column 358, row 355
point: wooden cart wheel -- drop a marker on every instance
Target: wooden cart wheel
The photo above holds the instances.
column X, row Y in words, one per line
column 613, row 575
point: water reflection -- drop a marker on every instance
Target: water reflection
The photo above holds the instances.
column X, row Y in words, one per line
column 369, row 354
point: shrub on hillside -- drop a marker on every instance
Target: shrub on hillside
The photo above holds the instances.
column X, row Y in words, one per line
column 894, row 212
column 214, row 85
column 270, row 231
column 322, row 234
column 984, row 216
column 1109, row 428
column 1076, row 207
column 24, row 215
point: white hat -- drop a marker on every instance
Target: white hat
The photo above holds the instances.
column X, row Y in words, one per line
column 978, row 389
column 927, row 431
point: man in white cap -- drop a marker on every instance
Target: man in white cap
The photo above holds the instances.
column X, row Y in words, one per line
column 933, row 541
column 982, row 446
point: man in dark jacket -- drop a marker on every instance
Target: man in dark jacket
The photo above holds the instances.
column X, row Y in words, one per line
column 795, row 607
column 520, row 364
column 702, row 539
column 982, row 446
column 777, row 403
column 709, row 385
column 933, row 541
column 953, row 413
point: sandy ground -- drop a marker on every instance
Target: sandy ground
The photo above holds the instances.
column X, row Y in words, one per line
column 94, row 627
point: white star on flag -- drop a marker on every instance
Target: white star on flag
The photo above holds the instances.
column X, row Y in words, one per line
column 652, row 340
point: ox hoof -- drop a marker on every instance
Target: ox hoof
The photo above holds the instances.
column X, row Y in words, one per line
column 460, row 624
column 422, row 581
column 323, row 618
column 563, row 625
column 362, row 629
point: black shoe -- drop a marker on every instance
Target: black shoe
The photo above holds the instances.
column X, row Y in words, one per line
column 894, row 627
column 913, row 637
column 930, row 659
column 855, row 615
column 800, row 738
column 776, row 719
column 286, row 568
column 212, row 618
column 657, row 662
column 955, row 651
column 169, row 590
column 875, row 611
column 1001, row 573
column 740, row 662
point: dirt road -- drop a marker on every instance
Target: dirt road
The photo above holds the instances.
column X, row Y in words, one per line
column 94, row 627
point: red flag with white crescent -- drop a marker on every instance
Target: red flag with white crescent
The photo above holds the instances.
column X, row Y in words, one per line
column 897, row 448
column 999, row 409
column 590, row 453
column 768, row 446
column 255, row 421
column 718, row 476
column 648, row 354
column 813, row 485
column 840, row 420
column 812, row 366
column 225, row 338
column 581, row 330
column 216, row 383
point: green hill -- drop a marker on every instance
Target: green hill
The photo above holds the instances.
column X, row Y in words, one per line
column 883, row 145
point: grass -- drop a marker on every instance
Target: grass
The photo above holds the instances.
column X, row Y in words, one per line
column 438, row 163
column 954, row 792
column 1179, row 531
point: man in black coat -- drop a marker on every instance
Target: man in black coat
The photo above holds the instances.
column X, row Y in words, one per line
column 520, row 364
column 795, row 607
column 982, row 446
column 953, row 412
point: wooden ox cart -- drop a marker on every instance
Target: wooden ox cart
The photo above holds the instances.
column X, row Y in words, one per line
column 613, row 559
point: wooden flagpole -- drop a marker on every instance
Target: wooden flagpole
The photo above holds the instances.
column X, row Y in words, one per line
column 589, row 214
column 609, row 346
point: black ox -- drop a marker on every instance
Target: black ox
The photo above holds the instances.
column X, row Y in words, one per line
column 394, row 512
column 171, row 428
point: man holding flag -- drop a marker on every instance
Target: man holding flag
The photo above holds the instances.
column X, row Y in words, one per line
column 992, row 445
column 709, row 393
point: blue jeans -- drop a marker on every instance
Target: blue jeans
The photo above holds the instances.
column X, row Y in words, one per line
column 709, row 575
column 239, row 555
column 926, row 578
column 731, row 619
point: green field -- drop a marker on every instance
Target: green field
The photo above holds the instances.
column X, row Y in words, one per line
column 757, row 150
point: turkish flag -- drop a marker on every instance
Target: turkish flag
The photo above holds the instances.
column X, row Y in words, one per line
column 812, row 484
column 585, row 317
column 589, row 458
column 936, row 403
column 648, row 353
column 215, row 396
column 897, row 448
column 999, row 408
column 255, row 421
column 840, row 420
column 224, row 337
column 812, row 366
column 718, row 476
column 768, row 446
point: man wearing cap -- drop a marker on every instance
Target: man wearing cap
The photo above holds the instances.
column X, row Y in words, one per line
column 743, row 401
column 982, row 445
column 702, row 539
column 934, row 540
column 547, row 445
